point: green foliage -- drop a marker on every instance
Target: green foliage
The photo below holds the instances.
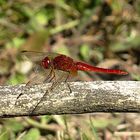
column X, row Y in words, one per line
column 16, row 42
column 4, row 135
column 85, row 137
column 16, row 79
column 32, row 134
column 84, row 51
column 94, row 131
column 14, row 125
column 102, row 123
column 73, row 27
column 63, row 50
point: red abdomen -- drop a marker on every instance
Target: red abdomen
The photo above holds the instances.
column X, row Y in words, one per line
column 64, row 63
column 86, row 67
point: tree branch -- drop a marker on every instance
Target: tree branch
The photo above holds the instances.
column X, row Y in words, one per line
column 86, row 97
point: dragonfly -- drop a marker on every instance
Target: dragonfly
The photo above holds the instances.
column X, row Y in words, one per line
column 56, row 68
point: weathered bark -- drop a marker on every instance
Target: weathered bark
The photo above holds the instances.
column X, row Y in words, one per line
column 86, row 97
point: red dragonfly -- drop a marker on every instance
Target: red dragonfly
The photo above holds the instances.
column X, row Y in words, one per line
column 55, row 68
column 49, row 64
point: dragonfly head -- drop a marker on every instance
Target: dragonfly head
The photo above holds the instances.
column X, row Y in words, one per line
column 46, row 62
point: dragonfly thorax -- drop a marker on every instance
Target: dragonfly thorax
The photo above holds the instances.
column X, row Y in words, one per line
column 46, row 62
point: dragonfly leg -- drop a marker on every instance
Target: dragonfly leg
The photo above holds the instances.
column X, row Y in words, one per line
column 71, row 73
column 69, row 87
column 54, row 84
column 31, row 112
column 67, row 82
column 18, row 98
column 31, row 82
column 51, row 75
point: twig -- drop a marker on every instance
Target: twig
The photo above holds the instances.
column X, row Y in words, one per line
column 86, row 97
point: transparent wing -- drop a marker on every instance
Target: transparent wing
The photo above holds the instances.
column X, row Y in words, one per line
column 38, row 56
column 61, row 76
column 49, row 75
column 40, row 74
column 40, row 77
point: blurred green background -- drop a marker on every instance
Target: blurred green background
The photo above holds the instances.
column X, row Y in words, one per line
column 104, row 33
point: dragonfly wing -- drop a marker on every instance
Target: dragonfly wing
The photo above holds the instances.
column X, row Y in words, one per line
column 61, row 76
column 40, row 77
column 33, row 56
column 37, row 68
column 64, row 76
column 38, row 56
column 47, row 76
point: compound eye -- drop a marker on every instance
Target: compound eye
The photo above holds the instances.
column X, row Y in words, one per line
column 45, row 62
